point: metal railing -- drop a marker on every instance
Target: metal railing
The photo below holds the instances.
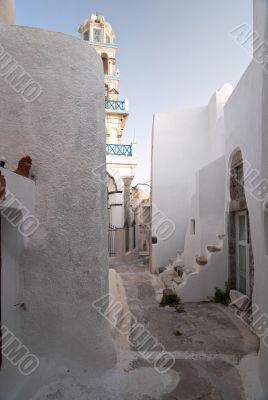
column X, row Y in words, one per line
column 115, row 105
column 112, row 77
column 103, row 44
column 119, row 150
column 111, row 240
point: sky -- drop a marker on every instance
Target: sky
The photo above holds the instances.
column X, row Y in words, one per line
column 172, row 54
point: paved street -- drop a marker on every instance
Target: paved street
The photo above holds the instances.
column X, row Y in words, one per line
column 207, row 340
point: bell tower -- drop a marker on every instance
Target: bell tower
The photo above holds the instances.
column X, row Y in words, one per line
column 99, row 33
column 121, row 158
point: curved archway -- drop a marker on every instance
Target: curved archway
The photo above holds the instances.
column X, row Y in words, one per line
column 241, row 260
column 112, row 185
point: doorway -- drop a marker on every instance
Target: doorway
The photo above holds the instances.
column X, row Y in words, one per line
column 242, row 253
column 241, row 259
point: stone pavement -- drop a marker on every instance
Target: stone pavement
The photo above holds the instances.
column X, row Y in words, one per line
column 215, row 354
column 209, row 343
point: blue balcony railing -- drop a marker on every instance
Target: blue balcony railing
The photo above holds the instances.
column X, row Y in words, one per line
column 119, row 150
column 103, row 44
column 112, row 77
column 115, row 105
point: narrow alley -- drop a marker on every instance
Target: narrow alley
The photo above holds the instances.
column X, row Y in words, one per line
column 134, row 200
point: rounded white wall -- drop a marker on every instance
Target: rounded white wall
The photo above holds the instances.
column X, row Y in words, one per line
column 65, row 265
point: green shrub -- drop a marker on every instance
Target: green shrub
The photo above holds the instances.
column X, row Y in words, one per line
column 222, row 296
column 171, row 300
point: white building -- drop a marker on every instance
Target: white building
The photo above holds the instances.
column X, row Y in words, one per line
column 209, row 176
column 121, row 160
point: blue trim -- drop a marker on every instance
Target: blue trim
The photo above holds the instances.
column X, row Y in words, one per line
column 115, row 105
column 103, row 44
column 119, row 150
column 111, row 77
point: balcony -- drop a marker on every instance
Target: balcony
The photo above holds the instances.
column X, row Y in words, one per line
column 119, row 150
column 116, row 106
column 102, row 44
column 111, row 77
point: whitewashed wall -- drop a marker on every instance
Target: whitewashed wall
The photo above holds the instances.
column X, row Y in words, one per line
column 20, row 191
column 211, row 203
column 247, row 129
column 177, row 138
column 64, row 267
column 208, row 212
column 183, row 142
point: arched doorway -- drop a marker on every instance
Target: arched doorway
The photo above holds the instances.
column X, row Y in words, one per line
column 241, row 260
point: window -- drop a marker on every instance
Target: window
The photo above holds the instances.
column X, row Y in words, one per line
column 192, row 227
column 97, row 35
column 86, row 35
column 108, row 40
column 105, row 64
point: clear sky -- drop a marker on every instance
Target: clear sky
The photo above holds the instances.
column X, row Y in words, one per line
column 172, row 53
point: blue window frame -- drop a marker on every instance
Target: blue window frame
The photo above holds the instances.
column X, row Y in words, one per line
column 97, row 35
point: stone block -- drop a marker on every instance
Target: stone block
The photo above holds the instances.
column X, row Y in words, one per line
column 239, row 300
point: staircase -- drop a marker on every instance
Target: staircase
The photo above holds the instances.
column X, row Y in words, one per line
column 197, row 282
